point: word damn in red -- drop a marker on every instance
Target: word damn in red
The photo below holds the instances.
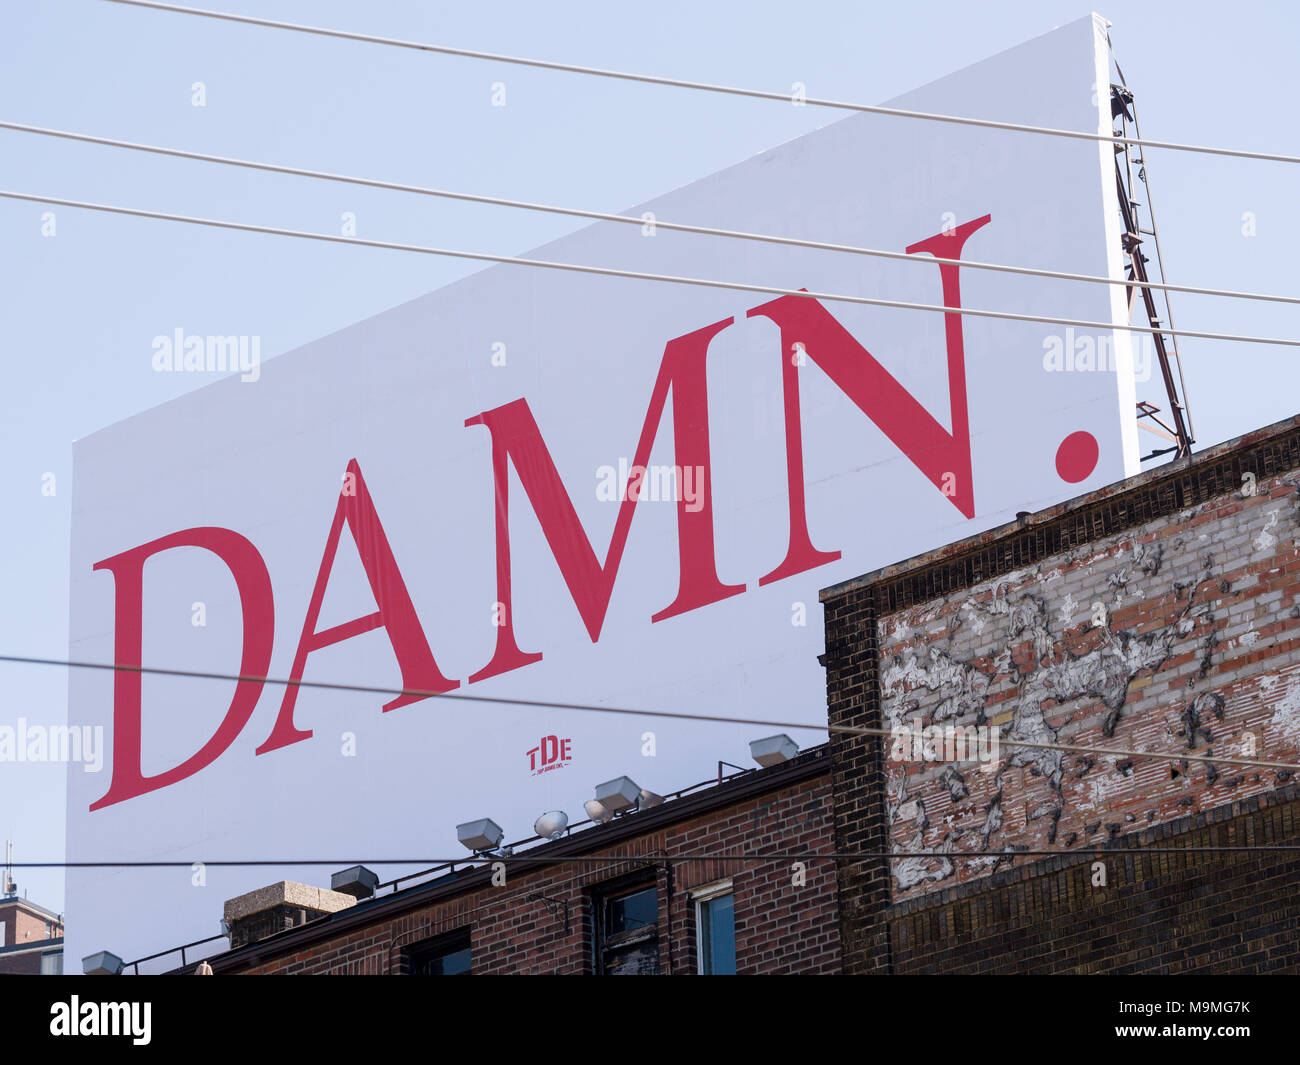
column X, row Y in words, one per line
column 805, row 326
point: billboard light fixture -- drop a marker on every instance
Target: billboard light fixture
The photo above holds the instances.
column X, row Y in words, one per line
column 773, row 750
column 551, row 825
column 648, row 799
column 618, row 795
column 356, row 880
column 102, row 963
column 597, row 812
column 482, row 836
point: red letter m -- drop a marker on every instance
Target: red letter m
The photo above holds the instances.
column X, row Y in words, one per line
column 515, row 438
column 943, row 457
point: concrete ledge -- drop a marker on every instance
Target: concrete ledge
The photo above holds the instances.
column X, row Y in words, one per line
column 287, row 893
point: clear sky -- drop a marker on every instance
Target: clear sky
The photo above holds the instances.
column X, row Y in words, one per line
column 80, row 308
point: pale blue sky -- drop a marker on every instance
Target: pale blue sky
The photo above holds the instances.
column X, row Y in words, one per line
column 80, row 309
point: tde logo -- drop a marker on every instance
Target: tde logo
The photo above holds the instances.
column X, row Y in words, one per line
column 551, row 753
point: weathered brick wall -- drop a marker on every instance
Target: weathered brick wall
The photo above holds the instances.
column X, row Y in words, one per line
column 1198, row 650
column 780, row 928
column 1162, row 913
column 1159, row 614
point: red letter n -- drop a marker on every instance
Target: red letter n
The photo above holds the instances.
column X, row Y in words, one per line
column 943, row 457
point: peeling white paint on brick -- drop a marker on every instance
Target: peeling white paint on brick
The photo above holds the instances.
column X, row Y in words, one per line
column 1005, row 655
column 1067, row 610
column 974, row 616
column 1267, row 540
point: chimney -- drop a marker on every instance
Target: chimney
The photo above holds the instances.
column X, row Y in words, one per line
column 274, row 908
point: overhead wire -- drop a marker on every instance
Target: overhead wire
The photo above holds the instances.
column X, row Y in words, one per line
column 848, row 730
column 637, row 220
column 735, row 286
column 681, row 83
column 547, row 859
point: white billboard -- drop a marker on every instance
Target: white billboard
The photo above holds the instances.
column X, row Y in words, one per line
column 543, row 485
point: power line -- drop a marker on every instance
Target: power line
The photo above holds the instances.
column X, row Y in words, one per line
column 851, row 856
column 730, row 90
column 607, row 216
column 848, row 730
column 604, row 271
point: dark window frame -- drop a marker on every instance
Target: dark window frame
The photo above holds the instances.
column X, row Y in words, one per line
column 439, row 946
column 606, row 946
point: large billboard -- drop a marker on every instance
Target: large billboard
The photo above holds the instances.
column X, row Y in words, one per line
column 543, row 485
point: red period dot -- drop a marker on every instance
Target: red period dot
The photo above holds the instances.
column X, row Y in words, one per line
column 1077, row 456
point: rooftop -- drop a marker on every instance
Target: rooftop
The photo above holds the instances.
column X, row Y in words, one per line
column 1174, row 486
column 453, row 878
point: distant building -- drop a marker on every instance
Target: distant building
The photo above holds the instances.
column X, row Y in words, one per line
column 31, row 938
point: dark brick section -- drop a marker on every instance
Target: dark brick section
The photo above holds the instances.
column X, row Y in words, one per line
column 26, row 960
column 268, row 922
column 1158, row 913
column 858, row 781
column 781, row 927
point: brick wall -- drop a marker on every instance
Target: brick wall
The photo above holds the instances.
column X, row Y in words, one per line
column 780, row 928
column 1163, row 913
column 24, row 926
column 21, row 963
column 1160, row 614
column 1198, row 651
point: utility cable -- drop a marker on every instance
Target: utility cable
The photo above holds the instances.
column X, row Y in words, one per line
column 680, row 83
column 848, row 730
column 603, row 271
column 658, row 223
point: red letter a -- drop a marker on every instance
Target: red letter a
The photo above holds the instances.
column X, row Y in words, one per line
column 396, row 614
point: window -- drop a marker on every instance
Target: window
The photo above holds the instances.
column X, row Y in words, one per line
column 715, row 929
column 442, row 956
column 627, row 930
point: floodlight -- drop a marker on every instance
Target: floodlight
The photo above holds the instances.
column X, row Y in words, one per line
column 773, row 750
column 648, row 799
column 596, row 811
column 482, row 835
column 357, row 881
column 551, row 825
column 618, row 794
column 104, row 963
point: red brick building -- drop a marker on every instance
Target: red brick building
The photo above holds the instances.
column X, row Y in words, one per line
column 629, row 896
column 31, row 938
